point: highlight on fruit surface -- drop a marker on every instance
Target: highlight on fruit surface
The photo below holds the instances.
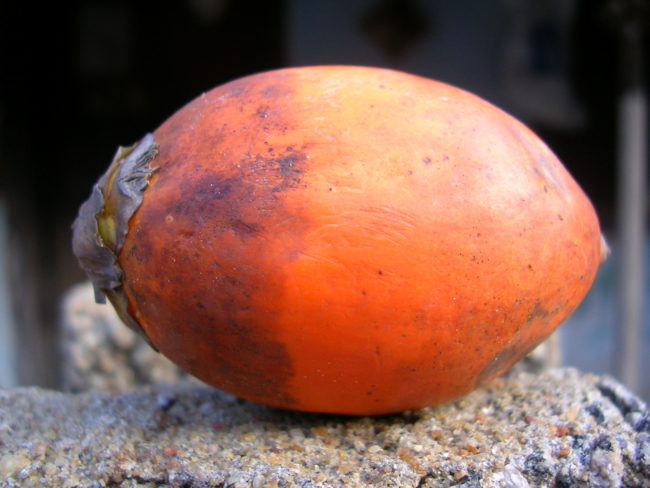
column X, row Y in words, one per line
column 340, row 239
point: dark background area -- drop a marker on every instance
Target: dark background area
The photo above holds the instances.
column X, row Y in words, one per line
column 81, row 78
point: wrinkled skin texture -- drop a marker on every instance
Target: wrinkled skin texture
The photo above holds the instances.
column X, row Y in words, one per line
column 353, row 240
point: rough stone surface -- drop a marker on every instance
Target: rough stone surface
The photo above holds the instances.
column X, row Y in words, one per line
column 101, row 353
column 560, row 428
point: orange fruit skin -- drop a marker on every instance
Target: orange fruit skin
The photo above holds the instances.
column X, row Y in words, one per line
column 353, row 240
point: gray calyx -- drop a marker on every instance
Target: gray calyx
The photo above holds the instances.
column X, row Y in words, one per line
column 99, row 231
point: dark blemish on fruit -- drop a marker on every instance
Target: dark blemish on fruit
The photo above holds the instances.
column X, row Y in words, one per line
column 288, row 164
column 279, row 172
column 380, row 272
column 410, row 172
column 500, row 361
column 545, row 189
column 544, row 167
column 235, row 89
column 548, row 172
column 186, row 233
column 226, row 207
column 205, row 185
column 263, row 111
column 275, row 90
column 560, row 217
column 289, row 148
column 426, row 160
column 289, row 169
column 244, row 229
column 537, row 311
column 247, row 341
column 445, row 158
column 420, row 317
column 141, row 252
column 364, row 293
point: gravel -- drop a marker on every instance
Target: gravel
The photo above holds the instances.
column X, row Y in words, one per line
column 559, row 428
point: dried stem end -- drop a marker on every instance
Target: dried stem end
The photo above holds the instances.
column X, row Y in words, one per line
column 99, row 230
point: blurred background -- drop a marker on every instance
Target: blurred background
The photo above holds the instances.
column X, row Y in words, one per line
column 80, row 78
